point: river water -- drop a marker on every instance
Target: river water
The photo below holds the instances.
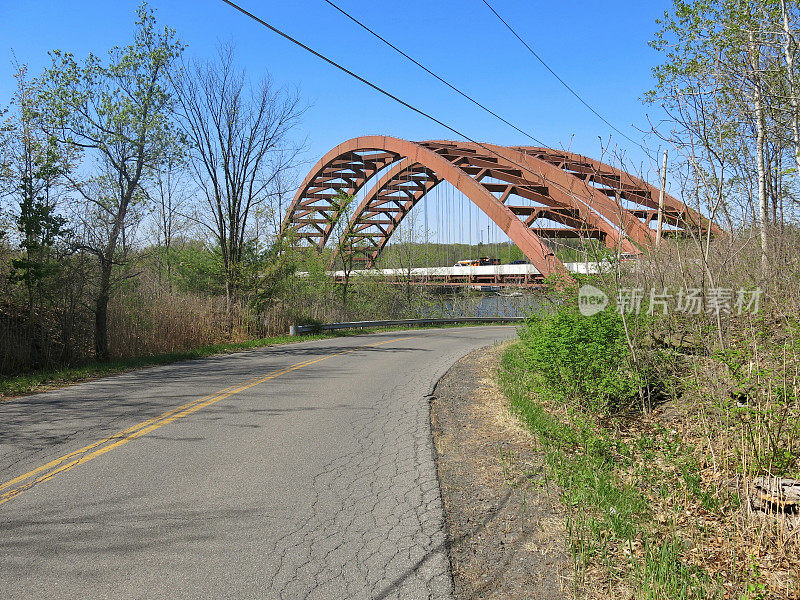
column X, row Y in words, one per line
column 486, row 304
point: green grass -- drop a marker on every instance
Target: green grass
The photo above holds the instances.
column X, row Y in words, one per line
column 35, row 381
column 608, row 517
column 48, row 378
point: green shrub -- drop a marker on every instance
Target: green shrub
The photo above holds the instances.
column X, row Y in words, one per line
column 580, row 359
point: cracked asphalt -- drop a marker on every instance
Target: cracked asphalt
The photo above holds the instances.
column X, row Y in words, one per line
column 317, row 483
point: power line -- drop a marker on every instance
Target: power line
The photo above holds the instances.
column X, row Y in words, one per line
column 388, row 94
column 564, row 83
column 345, row 69
column 427, row 70
column 400, row 101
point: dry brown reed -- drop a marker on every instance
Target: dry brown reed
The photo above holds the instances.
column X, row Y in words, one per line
column 734, row 401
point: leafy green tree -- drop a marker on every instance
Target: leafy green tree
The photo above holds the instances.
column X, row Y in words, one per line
column 197, row 268
column 117, row 112
column 33, row 173
column 346, row 243
column 729, row 87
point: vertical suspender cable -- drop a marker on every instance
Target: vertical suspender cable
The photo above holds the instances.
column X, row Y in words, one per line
column 424, row 200
column 449, row 217
column 460, row 221
column 471, row 223
column 438, row 229
column 445, row 223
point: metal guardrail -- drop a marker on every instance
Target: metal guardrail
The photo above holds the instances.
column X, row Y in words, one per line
column 301, row 329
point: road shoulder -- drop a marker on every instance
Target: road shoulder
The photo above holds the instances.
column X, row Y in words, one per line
column 504, row 521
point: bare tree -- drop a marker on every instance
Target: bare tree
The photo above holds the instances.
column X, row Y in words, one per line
column 755, row 76
column 409, row 252
column 239, row 147
column 170, row 196
column 6, row 129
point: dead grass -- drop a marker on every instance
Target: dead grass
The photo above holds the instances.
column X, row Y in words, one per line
column 732, row 414
column 505, row 526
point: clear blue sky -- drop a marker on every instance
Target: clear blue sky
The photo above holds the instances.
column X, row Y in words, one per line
column 600, row 47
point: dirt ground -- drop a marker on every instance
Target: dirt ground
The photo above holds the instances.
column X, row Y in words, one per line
column 505, row 523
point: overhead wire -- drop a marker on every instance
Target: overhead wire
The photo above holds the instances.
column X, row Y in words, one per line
column 564, row 83
column 433, row 74
column 392, row 96
column 388, row 94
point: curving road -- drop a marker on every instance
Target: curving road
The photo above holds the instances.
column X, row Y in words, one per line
column 297, row 471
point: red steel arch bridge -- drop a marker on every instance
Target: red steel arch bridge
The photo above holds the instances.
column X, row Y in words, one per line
column 534, row 195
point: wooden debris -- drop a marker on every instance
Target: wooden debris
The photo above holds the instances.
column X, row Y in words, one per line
column 777, row 492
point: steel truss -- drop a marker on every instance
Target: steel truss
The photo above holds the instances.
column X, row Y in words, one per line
column 576, row 196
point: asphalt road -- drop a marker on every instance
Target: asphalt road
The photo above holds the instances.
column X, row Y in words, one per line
column 297, row 471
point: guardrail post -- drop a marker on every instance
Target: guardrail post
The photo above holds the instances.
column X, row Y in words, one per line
column 292, row 329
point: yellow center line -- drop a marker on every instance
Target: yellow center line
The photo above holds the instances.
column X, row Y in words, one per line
column 95, row 449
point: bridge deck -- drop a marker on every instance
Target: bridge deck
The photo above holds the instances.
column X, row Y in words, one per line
column 489, row 275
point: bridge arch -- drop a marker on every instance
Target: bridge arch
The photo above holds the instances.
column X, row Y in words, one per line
column 610, row 179
column 490, row 176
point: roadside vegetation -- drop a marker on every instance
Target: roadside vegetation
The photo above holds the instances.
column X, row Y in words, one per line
column 670, row 417
column 132, row 227
column 656, row 448
column 41, row 380
column 667, row 425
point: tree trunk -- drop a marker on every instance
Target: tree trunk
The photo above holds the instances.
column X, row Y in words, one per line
column 760, row 166
column 789, row 60
column 101, row 352
column 106, row 258
column 762, row 184
column 228, row 304
column 345, row 284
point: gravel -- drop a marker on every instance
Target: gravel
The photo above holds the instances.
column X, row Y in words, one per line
column 504, row 520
